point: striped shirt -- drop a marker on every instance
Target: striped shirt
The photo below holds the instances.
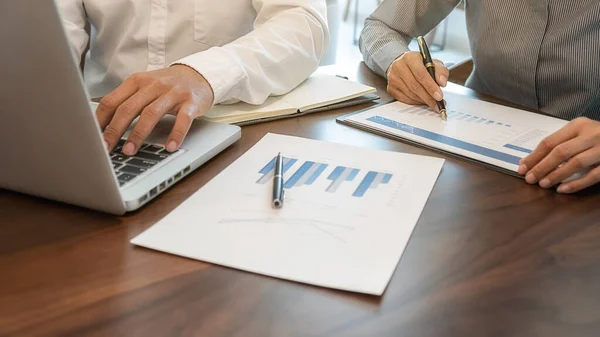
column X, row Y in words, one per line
column 542, row 54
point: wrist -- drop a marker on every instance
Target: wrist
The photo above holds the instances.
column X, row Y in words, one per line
column 206, row 90
column 389, row 69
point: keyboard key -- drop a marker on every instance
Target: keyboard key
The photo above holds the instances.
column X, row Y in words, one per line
column 150, row 156
column 141, row 162
column 124, row 178
column 165, row 152
column 153, row 148
column 118, row 150
column 119, row 158
column 116, row 165
column 132, row 170
column 121, row 142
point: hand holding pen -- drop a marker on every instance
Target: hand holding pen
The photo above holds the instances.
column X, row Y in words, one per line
column 409, row 81
column 428, row 62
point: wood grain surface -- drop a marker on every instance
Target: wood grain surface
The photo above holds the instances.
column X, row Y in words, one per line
column 490, row 256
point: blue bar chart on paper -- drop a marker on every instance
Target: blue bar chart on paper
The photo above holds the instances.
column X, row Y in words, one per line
column 465, row 117
column 480, row 131
column 454, row 115
column 307, row 174
column 340, row 175
column 491, row 153
column 372, row 181
column 269, row 169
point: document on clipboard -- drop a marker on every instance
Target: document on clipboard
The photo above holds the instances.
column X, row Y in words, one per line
column 490, row 134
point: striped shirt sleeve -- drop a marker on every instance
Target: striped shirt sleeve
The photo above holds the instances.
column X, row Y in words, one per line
column 389, row 30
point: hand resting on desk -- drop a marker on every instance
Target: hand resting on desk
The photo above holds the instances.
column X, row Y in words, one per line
column 574, row 149
column 177, row 90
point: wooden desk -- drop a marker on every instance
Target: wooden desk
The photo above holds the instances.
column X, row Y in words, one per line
column 490, row 256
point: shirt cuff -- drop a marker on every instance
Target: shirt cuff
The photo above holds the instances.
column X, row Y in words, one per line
column 220, row 69
column 386, row 55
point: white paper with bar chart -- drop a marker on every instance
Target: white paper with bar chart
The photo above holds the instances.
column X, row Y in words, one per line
column 486, row 132
column 347, row 217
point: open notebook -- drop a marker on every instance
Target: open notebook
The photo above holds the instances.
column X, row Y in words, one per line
column 314, row 94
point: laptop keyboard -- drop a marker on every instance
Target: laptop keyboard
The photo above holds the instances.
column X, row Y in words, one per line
column 128, row 168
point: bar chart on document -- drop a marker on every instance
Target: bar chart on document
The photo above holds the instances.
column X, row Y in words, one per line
column 329, row 190
column 491, row 133
column 326, row 189
column 347, row 216
column 309, row 172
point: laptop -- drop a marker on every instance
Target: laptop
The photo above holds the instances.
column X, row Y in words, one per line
column 52, row 146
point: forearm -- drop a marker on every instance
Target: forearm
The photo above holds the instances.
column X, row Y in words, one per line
column 381, row 45
column 389, row 30
column 286, row 46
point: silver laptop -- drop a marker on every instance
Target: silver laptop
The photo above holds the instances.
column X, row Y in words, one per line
column 51, row 144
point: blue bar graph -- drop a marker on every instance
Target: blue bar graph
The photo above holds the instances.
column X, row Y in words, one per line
column 386, row 178
column 307, row 174
column 371, row 181
column 316, row 174
column 447, row 140
column 457, row 116
column 518, row 148
column 269, row 169
column 340, row 175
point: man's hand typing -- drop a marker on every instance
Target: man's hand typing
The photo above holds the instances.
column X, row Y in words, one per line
column 177, row 90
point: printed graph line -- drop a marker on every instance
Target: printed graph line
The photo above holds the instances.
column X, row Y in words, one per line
column 517, row 148
column 455, row 115
column 319, row 225
column 505, row 157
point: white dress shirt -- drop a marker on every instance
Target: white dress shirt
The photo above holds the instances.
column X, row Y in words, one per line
column 246, row 49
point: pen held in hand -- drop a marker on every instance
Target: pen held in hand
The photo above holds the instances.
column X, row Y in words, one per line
column 428, row 62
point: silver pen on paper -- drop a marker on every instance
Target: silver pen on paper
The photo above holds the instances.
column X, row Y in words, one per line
column 278, row 182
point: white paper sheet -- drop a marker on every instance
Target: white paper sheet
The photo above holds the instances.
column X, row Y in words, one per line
column 487, row 132
column 347, row 217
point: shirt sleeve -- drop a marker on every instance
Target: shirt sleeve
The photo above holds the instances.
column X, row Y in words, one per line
column 74, row 18
column 389, row 30
column 288, row 41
